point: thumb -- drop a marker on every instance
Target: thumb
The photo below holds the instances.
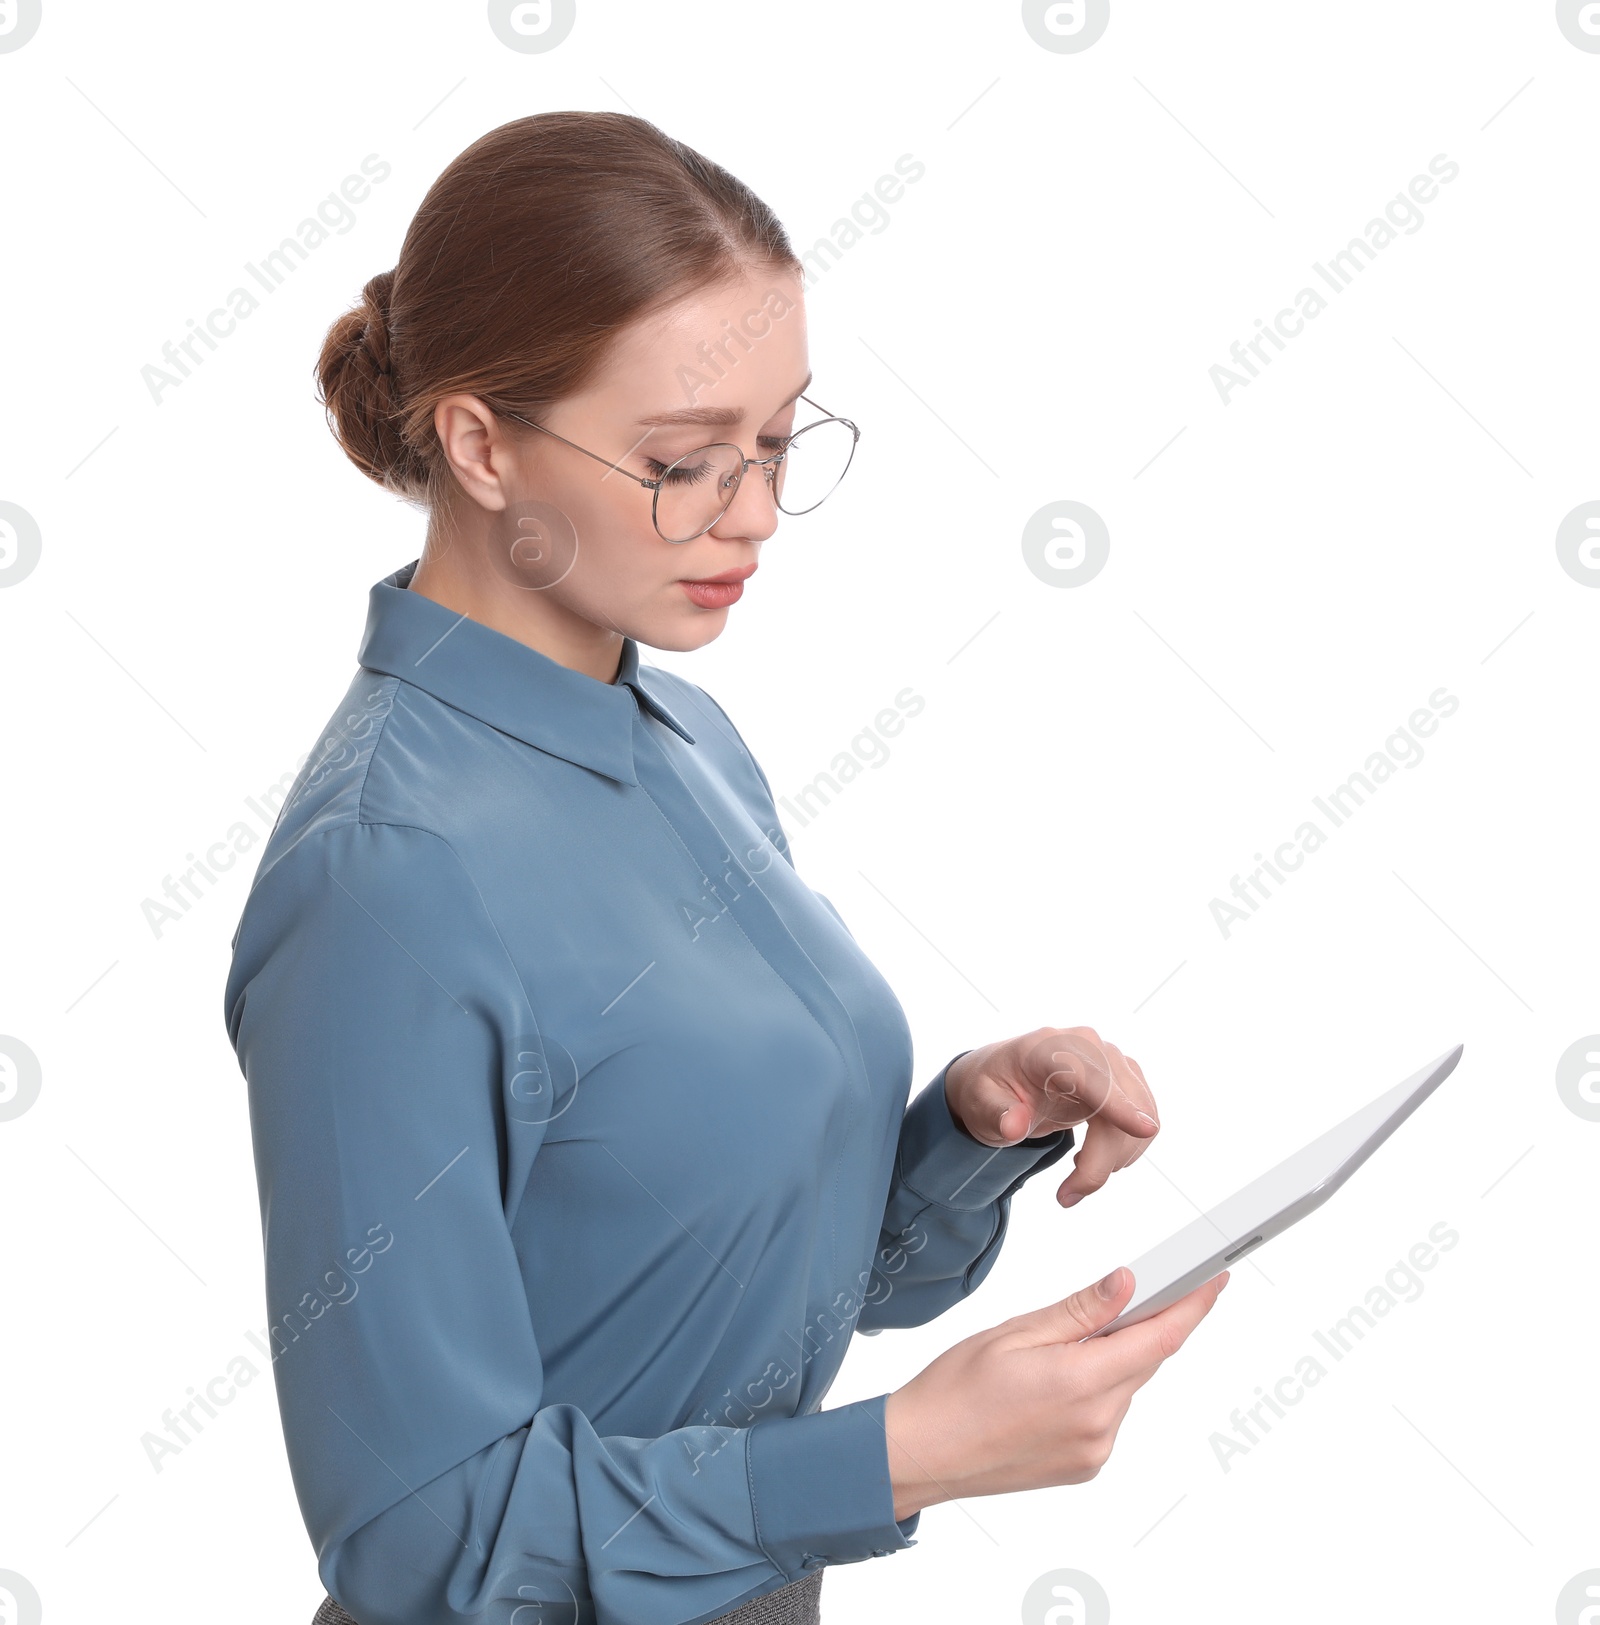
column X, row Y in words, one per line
column 1071, row 1319
column 993, row 1114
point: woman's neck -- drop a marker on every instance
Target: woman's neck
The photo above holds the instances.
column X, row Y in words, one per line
column 460, row 579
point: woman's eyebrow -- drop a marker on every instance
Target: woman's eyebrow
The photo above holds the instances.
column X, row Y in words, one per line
column 716, row 417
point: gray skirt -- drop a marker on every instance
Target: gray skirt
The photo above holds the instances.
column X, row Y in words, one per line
column 795, row 1604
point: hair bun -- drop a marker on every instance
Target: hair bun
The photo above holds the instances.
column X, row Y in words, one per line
column 375, row 332
column 361, row 393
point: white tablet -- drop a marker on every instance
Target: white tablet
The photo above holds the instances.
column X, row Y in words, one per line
column 1218, row 1239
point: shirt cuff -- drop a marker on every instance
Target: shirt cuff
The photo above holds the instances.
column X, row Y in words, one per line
column 942, row 1163
column 820, row 1487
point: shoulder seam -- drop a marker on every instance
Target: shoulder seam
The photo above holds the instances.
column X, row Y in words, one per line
column 361, row 794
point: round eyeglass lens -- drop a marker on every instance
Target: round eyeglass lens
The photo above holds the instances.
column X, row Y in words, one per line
column 695, row 490
column 816, row 461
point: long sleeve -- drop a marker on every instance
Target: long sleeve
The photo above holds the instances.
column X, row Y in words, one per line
column 948, row 1210
column 400, row 1093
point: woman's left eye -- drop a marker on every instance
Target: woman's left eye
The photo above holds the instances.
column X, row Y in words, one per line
column 678, row 473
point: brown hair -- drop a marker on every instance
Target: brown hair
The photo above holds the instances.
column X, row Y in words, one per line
column 529, row 252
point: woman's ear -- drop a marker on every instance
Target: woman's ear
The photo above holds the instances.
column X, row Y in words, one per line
column 477, row 448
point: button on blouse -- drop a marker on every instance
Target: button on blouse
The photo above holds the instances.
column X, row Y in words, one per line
column 583, row 1145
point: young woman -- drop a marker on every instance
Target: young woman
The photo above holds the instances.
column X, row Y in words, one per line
column 580, row 1120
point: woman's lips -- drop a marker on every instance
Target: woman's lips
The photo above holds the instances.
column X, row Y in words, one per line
column 717, row 592
column 714, row 594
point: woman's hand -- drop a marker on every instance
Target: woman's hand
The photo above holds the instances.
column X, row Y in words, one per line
column 1049, row 1079
column 1028, row 1404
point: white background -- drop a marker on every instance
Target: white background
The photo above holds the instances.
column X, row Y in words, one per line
column 1373, row 518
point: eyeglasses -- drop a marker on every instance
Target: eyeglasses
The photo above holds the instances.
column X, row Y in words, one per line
column 693, row 493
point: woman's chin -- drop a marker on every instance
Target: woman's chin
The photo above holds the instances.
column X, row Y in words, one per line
column 690, row 627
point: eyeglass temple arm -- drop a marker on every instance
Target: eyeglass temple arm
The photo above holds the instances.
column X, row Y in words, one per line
column 616, row 468
column 827, row 414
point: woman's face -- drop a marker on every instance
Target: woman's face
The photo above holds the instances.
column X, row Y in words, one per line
column 570, row 539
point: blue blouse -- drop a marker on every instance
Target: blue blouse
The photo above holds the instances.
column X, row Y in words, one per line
column 581, row 1133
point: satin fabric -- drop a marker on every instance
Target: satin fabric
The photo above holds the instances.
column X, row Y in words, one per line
column 583, row 1144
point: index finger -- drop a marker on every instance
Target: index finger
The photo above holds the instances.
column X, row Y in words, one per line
column 1131, row 1080
column 1095, row 1086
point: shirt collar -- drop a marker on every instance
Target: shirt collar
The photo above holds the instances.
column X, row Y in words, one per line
column 506, row 683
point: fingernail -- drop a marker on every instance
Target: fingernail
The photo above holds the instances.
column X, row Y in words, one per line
column 1145, row 1117
column 1071, row 1197
column 1108, row 1287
